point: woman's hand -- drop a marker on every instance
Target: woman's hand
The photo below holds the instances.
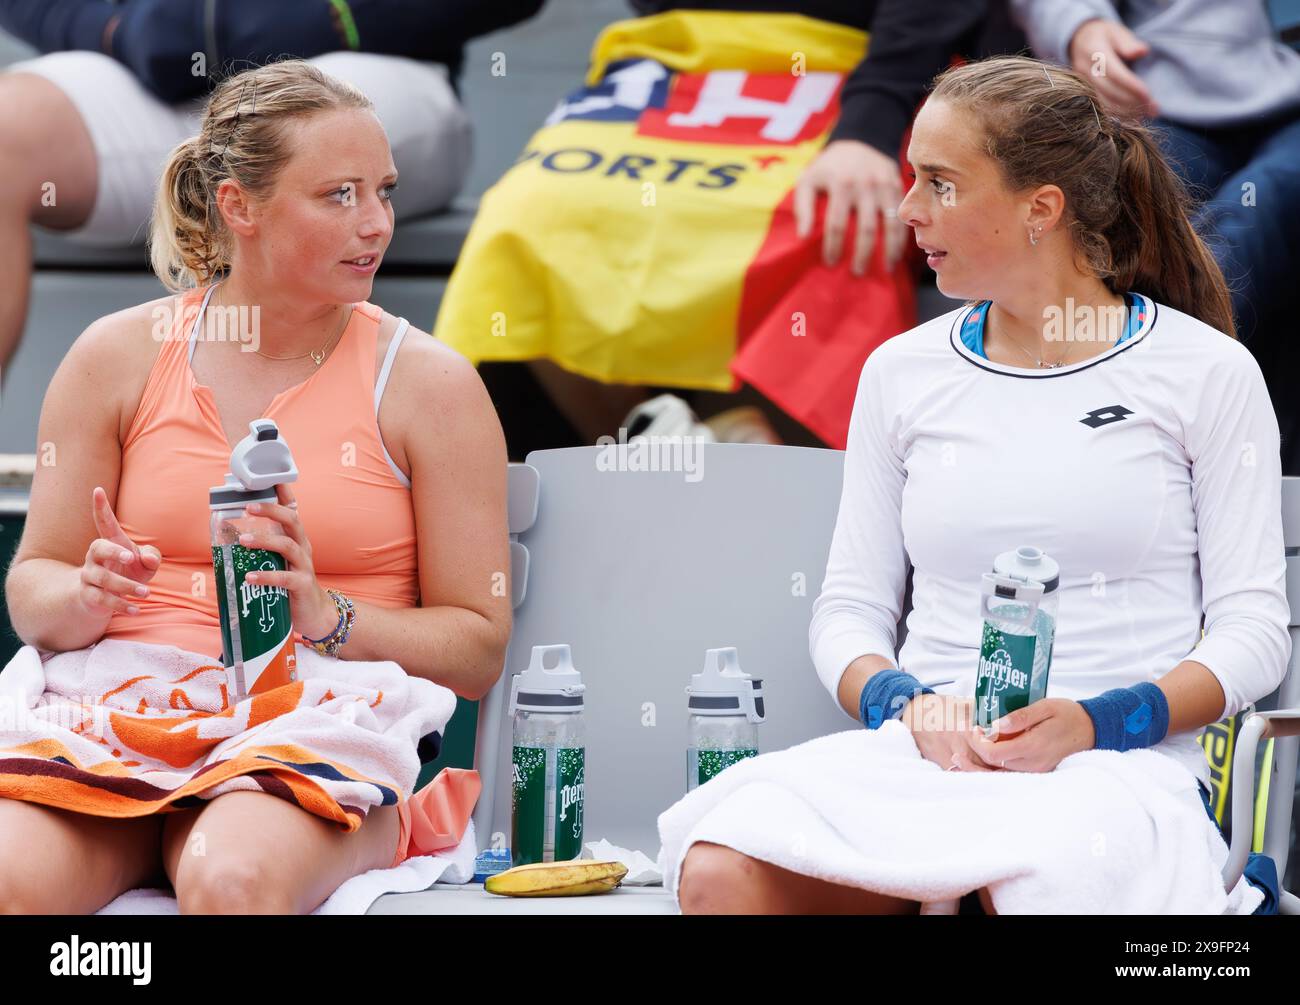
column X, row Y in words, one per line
column 941, row 725
column 314, row 613
column 1037, row 737
column 115, row 570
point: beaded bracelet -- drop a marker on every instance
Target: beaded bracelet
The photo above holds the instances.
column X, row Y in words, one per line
column 330, row 644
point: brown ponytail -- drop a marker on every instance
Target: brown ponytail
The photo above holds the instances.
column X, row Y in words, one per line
column 1126, row 209
column 1153, row 246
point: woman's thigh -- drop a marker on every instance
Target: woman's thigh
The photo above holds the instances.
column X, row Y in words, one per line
column 716, row 879
column 55, row 861
column 251, row 852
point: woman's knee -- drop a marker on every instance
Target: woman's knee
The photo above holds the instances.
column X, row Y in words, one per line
column 713, row 878
column 230, row 885
column 17, row 895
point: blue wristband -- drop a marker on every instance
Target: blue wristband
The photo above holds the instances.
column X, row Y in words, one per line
column 1125, row 718
column 886, row 695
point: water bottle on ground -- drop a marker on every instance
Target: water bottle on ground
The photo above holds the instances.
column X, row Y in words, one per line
column 726, row 706
column 549, row 759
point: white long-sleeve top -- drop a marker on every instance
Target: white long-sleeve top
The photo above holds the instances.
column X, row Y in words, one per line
column 1151, row 473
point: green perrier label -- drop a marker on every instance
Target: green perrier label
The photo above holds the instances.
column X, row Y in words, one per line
column 256, row 623
column 1002, row 679
column 546, row 817
column 701, row 765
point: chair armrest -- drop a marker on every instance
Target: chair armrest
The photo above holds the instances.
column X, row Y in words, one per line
column 1281, row 722
column 1277, row 722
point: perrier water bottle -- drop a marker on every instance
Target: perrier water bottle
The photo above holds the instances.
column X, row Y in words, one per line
column 1018, row 605
column 257, row 645
column 549, row 759
column 726, row 707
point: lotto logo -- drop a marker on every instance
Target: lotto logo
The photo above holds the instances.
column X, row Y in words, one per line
column 1104, row 416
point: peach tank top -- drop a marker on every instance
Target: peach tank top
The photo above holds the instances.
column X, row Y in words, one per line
column 355, row 503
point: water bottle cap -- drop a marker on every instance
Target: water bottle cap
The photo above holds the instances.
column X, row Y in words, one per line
column 1031, row 565
column 232, row 493
column 542, row 689
column 722, row 688
column 262, row 459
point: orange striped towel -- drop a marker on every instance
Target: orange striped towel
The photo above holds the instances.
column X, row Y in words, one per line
column 127, row 729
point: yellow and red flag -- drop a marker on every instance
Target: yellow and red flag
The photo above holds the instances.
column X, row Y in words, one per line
column 646, row 233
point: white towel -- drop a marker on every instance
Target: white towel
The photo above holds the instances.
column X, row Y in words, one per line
column 1104, row 833
column 454, row 865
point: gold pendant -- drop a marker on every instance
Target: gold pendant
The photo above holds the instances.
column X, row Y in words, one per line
column 318, row 356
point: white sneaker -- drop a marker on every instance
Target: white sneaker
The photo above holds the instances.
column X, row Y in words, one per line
column 666, row 415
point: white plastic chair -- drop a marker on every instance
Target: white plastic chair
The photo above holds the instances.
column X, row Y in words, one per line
column 641, row 571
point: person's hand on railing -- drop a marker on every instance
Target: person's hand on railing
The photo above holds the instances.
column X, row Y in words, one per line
column 942, row 726
column 116, row 570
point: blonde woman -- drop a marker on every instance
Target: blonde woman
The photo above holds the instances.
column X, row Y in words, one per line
column 280, row 205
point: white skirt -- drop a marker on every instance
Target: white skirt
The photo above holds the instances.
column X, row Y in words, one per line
column 1104, row 833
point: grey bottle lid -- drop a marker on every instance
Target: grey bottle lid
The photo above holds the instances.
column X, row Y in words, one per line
column 1030, row 564
column 722, row 688
column 259, row 462
column 539, row 689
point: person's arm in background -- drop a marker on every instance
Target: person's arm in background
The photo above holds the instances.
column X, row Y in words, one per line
column 1089, row 36
column 911, row 42
column 59, row 25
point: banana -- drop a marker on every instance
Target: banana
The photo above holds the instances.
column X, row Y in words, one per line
column 557, row 879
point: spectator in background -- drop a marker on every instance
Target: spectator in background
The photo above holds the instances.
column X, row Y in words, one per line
column 608, row 297
column 1224, row 95
column 86, row 127
column 911, row 43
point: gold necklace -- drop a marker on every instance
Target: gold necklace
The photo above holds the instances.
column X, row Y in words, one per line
column 317, row 355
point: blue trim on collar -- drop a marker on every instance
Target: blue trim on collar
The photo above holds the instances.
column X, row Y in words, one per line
column 972, row 329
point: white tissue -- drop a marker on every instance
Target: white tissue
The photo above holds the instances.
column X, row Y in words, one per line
column 641, row 871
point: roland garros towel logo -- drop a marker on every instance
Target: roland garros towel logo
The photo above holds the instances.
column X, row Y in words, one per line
column 102, row 959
